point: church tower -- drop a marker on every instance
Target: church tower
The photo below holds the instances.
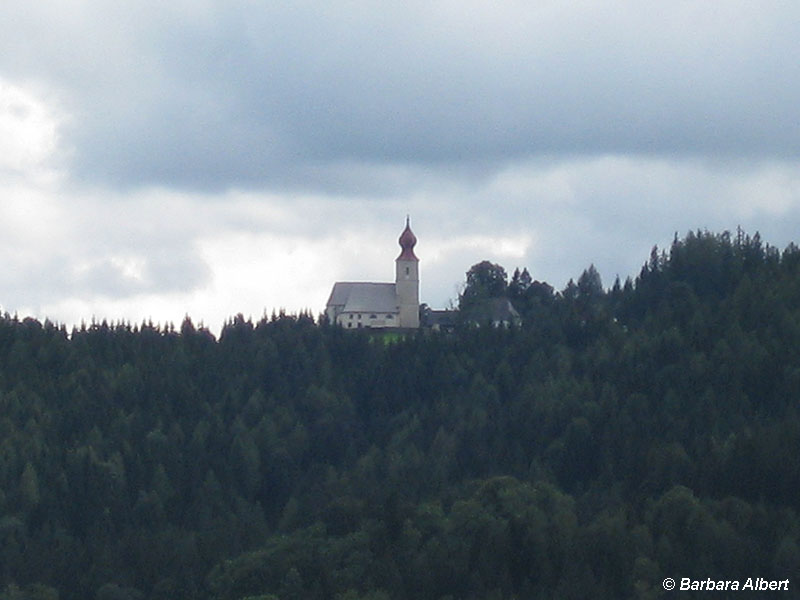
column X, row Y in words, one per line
column 407, row 279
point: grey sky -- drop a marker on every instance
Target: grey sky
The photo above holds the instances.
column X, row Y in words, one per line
column 167, row 152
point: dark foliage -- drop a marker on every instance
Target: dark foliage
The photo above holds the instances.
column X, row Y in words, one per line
column 614, row 439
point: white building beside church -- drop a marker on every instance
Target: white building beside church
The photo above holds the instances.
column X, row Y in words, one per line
column 380, row 305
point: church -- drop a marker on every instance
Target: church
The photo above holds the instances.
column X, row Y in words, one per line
column 361, row 304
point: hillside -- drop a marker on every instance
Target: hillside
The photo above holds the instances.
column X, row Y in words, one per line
column 615, row 438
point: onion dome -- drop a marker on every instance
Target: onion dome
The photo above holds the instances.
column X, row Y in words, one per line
column 407, row 242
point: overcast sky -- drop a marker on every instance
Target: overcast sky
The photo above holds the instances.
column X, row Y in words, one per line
column 210, row 158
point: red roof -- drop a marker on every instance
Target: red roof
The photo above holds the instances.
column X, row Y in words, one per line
column 407, row 242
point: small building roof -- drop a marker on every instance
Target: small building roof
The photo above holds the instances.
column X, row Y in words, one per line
column 440, row 319
column 502, row 311
column 360, row 296
column 497, row 311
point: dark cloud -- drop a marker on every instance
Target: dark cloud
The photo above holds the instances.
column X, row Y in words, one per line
column 211, row 95
column 222, row 156
column 110, row 277
column 125, row 277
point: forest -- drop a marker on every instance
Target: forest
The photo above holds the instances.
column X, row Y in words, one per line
column 615, row 437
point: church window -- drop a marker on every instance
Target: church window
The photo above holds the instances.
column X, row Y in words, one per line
column 408, row 271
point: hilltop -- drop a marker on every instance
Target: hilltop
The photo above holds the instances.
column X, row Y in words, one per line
column 613, row 438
